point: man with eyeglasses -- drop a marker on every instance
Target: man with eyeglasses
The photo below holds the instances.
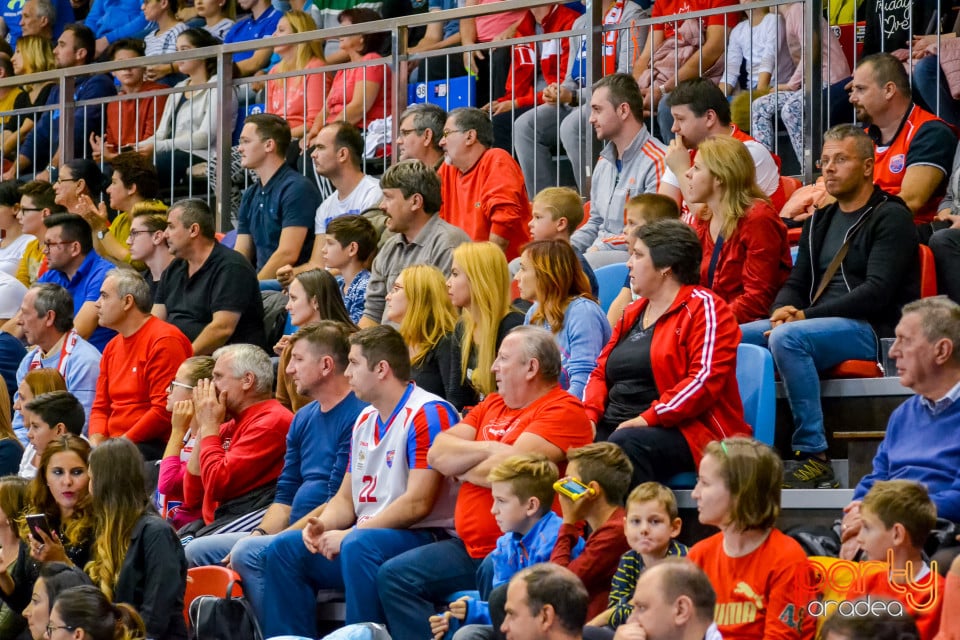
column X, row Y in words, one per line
column 856, row 267
column 483, row 189
column 73, row 264
column 421, row 127
column 137, row 366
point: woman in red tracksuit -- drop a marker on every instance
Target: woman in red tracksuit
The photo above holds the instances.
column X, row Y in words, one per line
column 665, row 385
column 546, row 59
column 746, row 256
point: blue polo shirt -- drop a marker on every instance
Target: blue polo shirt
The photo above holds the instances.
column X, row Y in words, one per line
column 251, row 28
column 85, row 287
column 287, row 200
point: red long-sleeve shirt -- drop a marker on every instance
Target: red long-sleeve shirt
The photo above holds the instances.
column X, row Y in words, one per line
column 598, row 562
column 135, row 372
column 247, row 454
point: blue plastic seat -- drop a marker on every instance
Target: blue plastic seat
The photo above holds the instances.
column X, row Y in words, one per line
column 759, row 397
column 610, row 278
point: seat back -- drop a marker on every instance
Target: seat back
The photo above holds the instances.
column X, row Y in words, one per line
column 757, row 390
column 758, row 393
column 610, row 278
column 210, row 581
column 789, row 185
column 928, row 273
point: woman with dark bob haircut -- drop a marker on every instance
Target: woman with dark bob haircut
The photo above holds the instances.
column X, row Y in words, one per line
column 671, row 362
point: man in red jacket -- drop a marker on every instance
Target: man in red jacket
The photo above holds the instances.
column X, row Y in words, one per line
column 137, row 366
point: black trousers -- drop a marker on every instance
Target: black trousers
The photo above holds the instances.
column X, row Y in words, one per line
column 657, row 454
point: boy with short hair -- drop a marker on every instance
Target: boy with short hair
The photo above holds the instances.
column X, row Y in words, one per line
column 47, row 417
column 897, row 517
column 640, row 210
column 605, row 469
column 557, row 212
column 651, row 526
column 522, row 488
column 348, row 247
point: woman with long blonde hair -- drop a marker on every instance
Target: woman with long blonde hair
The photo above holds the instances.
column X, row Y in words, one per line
column 419, row 304
column 287, row 97
column 33, row 54
column 551, row 277
column 126, row 528
column 479, row 285
column 746, row 256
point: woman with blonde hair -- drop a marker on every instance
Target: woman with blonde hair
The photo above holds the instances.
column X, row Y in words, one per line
column 479, row 285
column 550, row 276
column 419, row 304
column 137, row 557
column 33, row 54
column 746, row 256
column 299, row 100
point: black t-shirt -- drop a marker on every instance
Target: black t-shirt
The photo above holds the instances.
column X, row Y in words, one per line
column 832, row 241
column 225, row 282
column 631, row 388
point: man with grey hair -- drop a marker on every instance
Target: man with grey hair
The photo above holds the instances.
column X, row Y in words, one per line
column 46, row 320
column 411, row 200
column 44, row 18
column 483, row 189
column 209, row 292
column 857, row 266
column 242, row 440
column 922, row 440
column 673, row 600
column 421, row 127
column 529, row 413
column 137, row 367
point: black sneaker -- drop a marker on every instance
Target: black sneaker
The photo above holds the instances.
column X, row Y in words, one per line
column 811, row 473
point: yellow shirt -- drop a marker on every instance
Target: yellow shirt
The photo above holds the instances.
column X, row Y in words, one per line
column 30, row 263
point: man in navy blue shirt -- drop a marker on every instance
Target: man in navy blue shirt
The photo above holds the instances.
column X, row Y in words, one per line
column 275, row 225
column 318, row 448
column 75, row 48
column 75, row 266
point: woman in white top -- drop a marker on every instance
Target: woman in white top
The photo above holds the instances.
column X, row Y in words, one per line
column 14, row 240
column 187, row 132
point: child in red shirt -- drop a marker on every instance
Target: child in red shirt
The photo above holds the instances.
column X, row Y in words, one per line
column 754, row 568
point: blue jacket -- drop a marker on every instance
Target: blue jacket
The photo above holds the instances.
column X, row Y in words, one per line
column 515, row 552
column 115, row 19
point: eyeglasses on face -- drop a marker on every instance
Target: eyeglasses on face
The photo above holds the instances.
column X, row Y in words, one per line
column 178, row 384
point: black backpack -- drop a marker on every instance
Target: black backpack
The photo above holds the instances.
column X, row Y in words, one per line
column 215, row 618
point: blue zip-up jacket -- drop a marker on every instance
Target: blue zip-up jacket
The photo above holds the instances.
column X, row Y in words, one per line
column 115, row 19
column 515, row 552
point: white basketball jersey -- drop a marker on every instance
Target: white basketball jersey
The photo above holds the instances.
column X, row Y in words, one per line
column 379, row 470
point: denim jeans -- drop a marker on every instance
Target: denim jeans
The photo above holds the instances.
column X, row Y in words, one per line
column 801, row 349
column 247, row 557
column 412, row 585
column 932, row 86
column 294, row 575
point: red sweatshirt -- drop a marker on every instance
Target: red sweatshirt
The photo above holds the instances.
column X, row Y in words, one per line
column 923, row 599
column 598, row 562
column 135, row 372
column 246, row 455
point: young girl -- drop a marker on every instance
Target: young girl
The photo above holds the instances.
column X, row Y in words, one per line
column 218, row 15
column 479, row 285
column 755, row 569
column 183, row 434
column 419, row 303
column 313, row 296
column 550, row 276
column 761, row 41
